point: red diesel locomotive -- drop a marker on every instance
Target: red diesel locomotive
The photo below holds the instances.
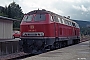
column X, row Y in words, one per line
column 42, row 30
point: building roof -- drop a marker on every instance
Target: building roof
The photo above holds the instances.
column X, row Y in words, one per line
column 6, row 18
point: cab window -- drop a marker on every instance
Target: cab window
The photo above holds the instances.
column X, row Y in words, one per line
column 27, row 17
column 56, row 19
column 39, row 17
column 51, row 17
column 59, row 20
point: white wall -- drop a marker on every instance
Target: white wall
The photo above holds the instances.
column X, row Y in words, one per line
column 6, row 28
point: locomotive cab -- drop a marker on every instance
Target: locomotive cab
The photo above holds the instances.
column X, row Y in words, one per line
column 35, row 30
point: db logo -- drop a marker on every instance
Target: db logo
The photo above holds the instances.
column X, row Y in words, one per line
column 31, row 26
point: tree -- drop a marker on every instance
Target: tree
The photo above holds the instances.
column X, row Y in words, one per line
column 2, row 10
column 15, row 11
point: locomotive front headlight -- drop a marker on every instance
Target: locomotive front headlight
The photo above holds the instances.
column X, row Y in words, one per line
column 42, row 34
column 38, row 34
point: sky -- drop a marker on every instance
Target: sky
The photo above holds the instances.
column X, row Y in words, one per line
column 76, row 9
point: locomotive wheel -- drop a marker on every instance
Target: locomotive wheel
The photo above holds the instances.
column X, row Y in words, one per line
column 60, row 44
column 57, row 45
column 42, row 50
column 49, row 47
column 63, row 44
column 78, row 41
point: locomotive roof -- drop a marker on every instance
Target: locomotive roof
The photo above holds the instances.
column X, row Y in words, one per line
column 43, row 11
column 38, row 11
